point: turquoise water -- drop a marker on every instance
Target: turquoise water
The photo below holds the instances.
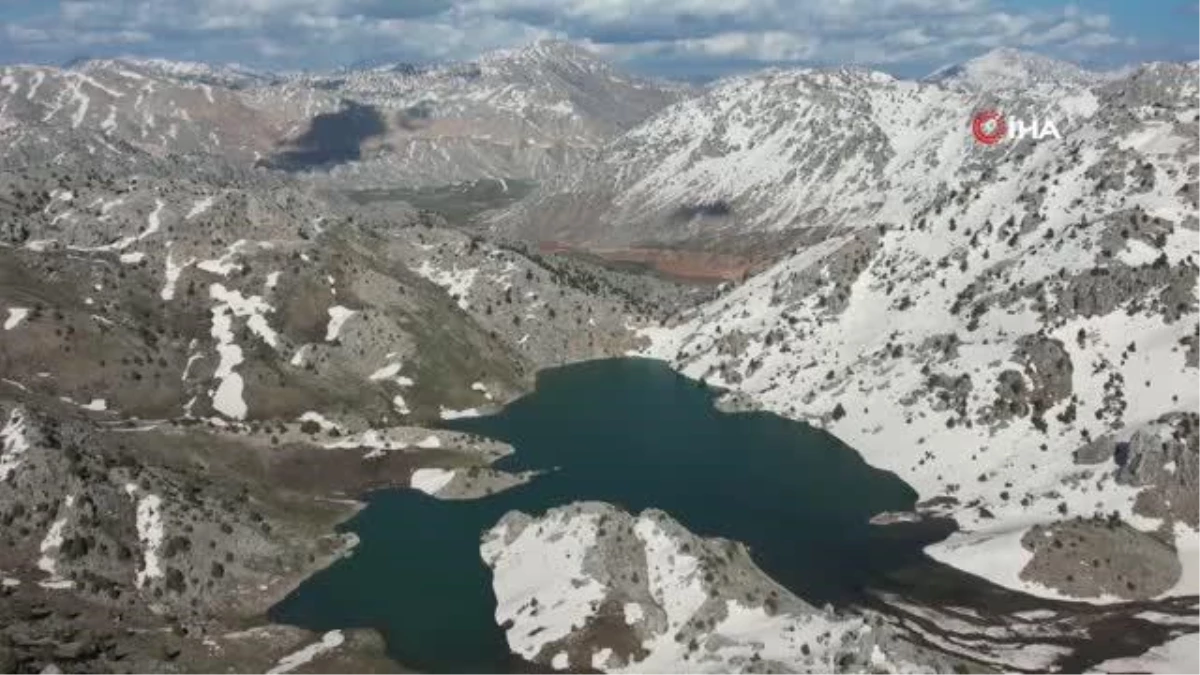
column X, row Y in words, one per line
column 634, row 433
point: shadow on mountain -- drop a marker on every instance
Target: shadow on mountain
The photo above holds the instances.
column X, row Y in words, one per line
column 713, row 209
column 415, row 117
column 331, row 139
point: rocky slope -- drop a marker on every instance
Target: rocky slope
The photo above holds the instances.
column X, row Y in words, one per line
column 203, row 364
column 202, row 367
column 151, row 547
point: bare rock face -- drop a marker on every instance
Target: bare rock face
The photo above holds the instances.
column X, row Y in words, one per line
column 1163, row 452
column 622, row 591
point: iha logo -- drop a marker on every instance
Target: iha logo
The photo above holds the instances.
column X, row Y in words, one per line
column 990, row 127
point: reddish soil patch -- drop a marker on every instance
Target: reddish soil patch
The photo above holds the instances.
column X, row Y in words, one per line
column 680, row 264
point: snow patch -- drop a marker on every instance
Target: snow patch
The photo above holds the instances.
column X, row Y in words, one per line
column 391, row 372
column 328, row 642
column 431, row 481
column 600, row 659
column 173, row 272
column 200, row 207
column 297, row 359
column 225, row 265
column 457, row 282
column 385, row 373
column 400, row 405
column 544, row 561
column 49, row 548
column 633, row 613
column 228, row 398
column 13, row 443
column 16, row 315
column 338, row 316
column 96, row 405
column 320, row 420
column 150, row 531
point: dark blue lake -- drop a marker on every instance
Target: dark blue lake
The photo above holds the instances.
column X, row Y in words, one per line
column 634, row 433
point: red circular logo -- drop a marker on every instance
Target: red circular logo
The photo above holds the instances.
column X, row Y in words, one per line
column 989, row 127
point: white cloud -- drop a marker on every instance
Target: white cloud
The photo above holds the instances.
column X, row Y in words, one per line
column 276, row 32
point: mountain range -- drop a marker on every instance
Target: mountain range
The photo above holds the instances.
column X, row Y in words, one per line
column 234, row 301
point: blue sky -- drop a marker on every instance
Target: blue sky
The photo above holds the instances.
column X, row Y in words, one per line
column 682, row 38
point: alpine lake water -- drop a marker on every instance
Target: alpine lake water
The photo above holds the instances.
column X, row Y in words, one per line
column 634, row 433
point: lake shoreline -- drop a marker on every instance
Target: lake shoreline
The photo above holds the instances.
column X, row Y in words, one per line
column 639, row 421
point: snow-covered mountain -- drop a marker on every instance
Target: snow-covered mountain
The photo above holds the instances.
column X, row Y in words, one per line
column 228, row 75
column 1012, row 329
column 525, row 114
column 152, row 106
column 792, row 152
column 1009, row 69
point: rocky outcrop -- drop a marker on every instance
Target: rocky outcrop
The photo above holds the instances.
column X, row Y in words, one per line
column 1100, row 557
column 1044, row 381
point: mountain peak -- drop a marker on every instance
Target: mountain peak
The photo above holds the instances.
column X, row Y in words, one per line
column 544, row 48
column 545, row 52
column 1009, row 68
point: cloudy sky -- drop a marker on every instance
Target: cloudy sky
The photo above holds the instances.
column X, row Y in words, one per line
column 681, row 38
